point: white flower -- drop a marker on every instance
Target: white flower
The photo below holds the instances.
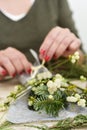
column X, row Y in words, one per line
column 50, row 83
column 34, row 89
column 30, row 103
column 59, row 76
column 62, row 89
column 51, row 87
column 64, row 84
column 44, row 75
column 51, row 97
column 48, row 74
column 73, row 61
column 76, row 54
column 17, row 88
column 71, row 99
column 77, row 96
column 82, row 78
column 82, row 102
column 57, row 83
column 3, row 108
column 60, row 81
column 75, row 57
column 39, row 76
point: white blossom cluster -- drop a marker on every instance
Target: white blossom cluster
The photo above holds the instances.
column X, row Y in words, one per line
column 77, row 99
column 53, row 86
column 75, row 57
column 30, row 102
column 10, row 98
column 83, row 78
column 44, row 75
column 2, row 107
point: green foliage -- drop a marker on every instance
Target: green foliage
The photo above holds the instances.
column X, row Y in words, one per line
column 42, row 102
column 50, row 95
column 6, row 126
column 41, row 90
column 67, row 69
column 51, row 107
column 66, row 124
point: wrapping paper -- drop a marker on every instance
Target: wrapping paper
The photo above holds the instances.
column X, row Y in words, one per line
column 20, row 113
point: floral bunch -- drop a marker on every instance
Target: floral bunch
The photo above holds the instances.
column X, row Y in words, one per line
column 4, row 104
column 75, row 57
column 54, row 93
column 48, row 94
column 77, row 99
column 51, row 92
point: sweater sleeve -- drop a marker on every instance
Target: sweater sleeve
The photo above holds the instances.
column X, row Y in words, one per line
column 65, row 16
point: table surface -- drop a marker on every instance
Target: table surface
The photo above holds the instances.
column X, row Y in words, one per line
column 7, row 86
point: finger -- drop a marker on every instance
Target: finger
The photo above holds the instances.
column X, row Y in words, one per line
column 3, row 72
column 19, row 60
column 6, row 63
column 26, row 64
column 74, row 46
column 15, row 60
column 60, row 37
column 49, row 40
column 63, row 46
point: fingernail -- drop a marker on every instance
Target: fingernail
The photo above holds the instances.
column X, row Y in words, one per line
column 4, row 72
column 29, row 71
column 47, row 58
column 54, row 56
column 14, row 75
column 42, row 52
column 21, row 72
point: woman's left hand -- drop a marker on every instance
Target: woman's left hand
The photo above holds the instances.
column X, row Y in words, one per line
column 59, row 42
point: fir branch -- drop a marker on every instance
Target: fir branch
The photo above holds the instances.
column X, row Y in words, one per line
column 6, row 126
column 66, row 124
column 51, row 107
column 38, row 127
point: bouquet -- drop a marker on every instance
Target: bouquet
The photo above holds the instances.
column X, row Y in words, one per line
column 51, row 92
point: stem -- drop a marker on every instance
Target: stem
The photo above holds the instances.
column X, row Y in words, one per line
column 1, row 118
column 77, row 86
column 58, row 65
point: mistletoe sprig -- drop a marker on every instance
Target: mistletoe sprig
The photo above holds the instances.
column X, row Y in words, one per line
column 18, row 90
column 69, row 67
column 49, row 92
column 65, row 124
column 54, row 93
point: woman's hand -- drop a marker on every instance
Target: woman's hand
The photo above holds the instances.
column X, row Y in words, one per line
column 59, row 42
column 13, row 62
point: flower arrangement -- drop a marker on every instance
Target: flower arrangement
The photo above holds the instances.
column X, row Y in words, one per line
column 51, row 92
column 54, row 92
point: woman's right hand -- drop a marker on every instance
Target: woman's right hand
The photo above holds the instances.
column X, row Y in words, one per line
column 13, row 62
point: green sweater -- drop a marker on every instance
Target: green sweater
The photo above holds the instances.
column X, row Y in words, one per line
column 30, row 31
